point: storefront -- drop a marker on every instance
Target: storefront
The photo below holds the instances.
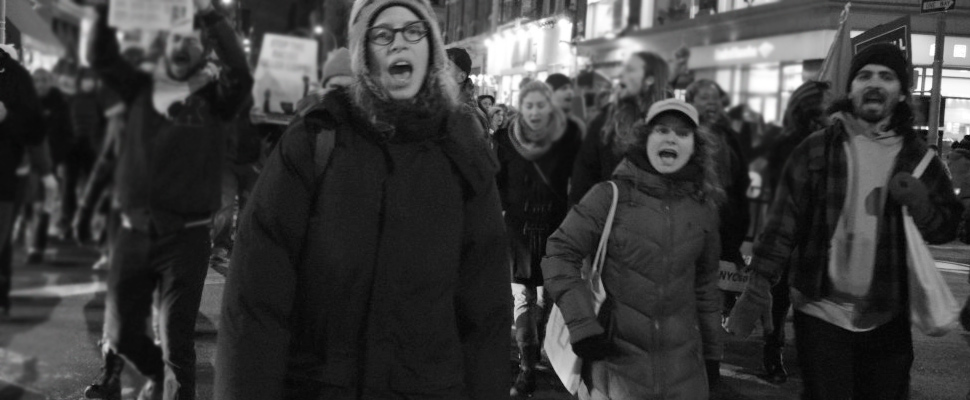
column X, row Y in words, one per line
column 955, row 86
column 529, row 51
column 39, row 46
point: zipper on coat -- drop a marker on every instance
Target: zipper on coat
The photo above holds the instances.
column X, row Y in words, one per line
column 666, row 272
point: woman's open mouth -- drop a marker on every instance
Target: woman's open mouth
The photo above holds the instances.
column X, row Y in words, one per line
column 401, row 71
column 668, row 155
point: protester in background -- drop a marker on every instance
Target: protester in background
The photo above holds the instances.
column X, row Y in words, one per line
column 536, row 155
column 663, row 306
column 168, row 192
column 21, row 124
column 485, row 102
column 461, row 72
column 563, row 97
column 848, row 287
column 643, row 82
column 336, row 74
column 375, row 266
column 497, row 118
column 803, row 116
column 735, row 216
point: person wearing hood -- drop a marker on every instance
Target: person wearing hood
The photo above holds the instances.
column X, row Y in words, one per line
column 657, row 336
column 643, row 82
column 168, row 187
column 375, row 266
column 536, row 155
column 336, row 74
column 461, row 69
column 837, row 226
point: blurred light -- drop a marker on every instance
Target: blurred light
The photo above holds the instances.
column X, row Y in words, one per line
column 246, row 42
column 226, row 2
column 530, row 66
column 610, row 35
column 318, row 30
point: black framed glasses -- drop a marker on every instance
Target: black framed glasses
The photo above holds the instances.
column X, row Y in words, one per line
column 413, row 33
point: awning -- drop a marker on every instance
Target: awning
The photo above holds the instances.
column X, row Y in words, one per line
column 35, row 31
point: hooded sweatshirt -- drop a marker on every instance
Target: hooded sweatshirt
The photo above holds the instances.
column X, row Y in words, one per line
column 381, row 271
column 169, row 173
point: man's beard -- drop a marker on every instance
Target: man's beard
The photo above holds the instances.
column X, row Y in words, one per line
column 859, row 107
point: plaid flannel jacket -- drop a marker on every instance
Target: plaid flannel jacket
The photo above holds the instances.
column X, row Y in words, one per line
column 808, row 205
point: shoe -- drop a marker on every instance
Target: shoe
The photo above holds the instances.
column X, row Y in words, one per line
column 102, row 264
column 35, row 257
column 775, row 371
column 108, row 384
column 152, row 390
column 525, row 383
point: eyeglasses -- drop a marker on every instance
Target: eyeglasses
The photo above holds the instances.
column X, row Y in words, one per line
column 383, row 36
column 666, row 130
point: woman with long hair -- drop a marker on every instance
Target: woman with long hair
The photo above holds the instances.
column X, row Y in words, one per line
column 657, row 334
column 642, row 83
column 536, row 153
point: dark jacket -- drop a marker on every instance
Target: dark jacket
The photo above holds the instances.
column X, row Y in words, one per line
column 663, row 308
column 171, row 167
column 735, row 213
column 597, row 157
column 959, row 164
column 534, row 209
column 24, row 125
column 59, row 131
column 383, row 272
column 808, row 205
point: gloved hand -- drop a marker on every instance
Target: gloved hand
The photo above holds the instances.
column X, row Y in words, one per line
column 594, row 348
column 909, row 191
column 81, row 226
column 713, row 372
column 753, row 305
column 965, row 316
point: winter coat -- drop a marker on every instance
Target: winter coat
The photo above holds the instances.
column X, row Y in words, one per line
column 378, row 273
column 534, row 209
column 663, row 307
column 596, row 159
column 959, row 165
column 735, row 213
column 60, row 133
column 24, row 125
column 170, row 166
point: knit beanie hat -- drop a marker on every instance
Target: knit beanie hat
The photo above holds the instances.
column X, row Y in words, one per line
column 362, row 18
column 338, row 64
column 461, row 59
column 886, row 54
column 557, row 81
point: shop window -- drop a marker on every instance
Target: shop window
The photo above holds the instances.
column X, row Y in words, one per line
column 599, row 17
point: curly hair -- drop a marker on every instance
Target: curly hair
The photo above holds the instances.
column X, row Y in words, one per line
column 706, row 146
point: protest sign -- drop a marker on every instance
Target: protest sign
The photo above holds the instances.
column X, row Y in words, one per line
column 286, row 72
column 152, row 15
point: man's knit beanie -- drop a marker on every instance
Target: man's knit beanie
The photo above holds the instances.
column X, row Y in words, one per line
column 461, row 59
column 338, row 64
column 557, row 81
column 887, row 55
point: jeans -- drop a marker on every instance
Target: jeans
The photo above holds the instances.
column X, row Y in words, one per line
column 530, row 313
column 175, row 266
column 780, row 303
column 6, row 252
column 840, row 364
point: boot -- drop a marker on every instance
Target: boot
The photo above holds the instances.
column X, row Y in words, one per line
column 525, row 383
column 108, row 384
column 775, row 371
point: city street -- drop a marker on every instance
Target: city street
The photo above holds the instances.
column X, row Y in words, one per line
column 48, row 347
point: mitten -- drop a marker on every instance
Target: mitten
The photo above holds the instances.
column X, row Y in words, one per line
column 909, row 191
column 753, row 305
column 713, row 372
column 594, row 348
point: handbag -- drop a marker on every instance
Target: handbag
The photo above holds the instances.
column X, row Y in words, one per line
column 557, row 343
column 932, row 307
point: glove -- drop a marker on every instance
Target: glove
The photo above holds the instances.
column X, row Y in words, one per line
column 754, row 304
column 713, row 372
column 909, row 191
column 594, row 348
column 965, row 316
column 81, row 226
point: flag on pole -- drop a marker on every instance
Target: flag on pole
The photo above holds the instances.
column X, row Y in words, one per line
column 835, row 68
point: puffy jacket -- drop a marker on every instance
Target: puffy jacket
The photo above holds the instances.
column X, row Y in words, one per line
column 385, row 274
column 663, row 307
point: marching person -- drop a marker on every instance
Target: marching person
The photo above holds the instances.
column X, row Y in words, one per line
column 643, row 82
column 657, row 334
column 837, row 226
column 564, row 98
column 374, row 266
column 536, row 154
column 461, row 69
column 167, row 192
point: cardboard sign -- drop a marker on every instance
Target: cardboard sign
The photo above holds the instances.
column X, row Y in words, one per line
column 152, row 15
column 935, row 6
column 732, row 277
column 896, row 32
column 287, row 72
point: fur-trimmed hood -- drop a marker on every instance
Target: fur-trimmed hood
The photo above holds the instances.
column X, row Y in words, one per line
column 439, row 89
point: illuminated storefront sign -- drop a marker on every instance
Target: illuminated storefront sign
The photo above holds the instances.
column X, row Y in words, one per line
column 794, row 47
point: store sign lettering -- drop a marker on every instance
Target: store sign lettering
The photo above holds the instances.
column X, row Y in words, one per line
column 735, row 53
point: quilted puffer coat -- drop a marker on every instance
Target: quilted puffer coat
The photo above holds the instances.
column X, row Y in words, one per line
column 660, row 275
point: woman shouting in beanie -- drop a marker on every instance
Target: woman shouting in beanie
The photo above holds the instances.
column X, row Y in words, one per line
column 536, row 154
column 374, row 267
column 657, row 331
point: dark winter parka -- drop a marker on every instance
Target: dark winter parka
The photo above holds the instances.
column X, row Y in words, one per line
column 663, row 307
column 24, row 124
column 534, row 209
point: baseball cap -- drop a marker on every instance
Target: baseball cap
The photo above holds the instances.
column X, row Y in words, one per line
column 673, row 105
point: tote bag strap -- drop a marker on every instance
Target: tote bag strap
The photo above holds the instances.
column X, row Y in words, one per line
column 925, row 162
column 600, row 257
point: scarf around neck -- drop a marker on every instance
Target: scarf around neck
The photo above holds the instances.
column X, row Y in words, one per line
column 167, row 91
column 533, row 150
